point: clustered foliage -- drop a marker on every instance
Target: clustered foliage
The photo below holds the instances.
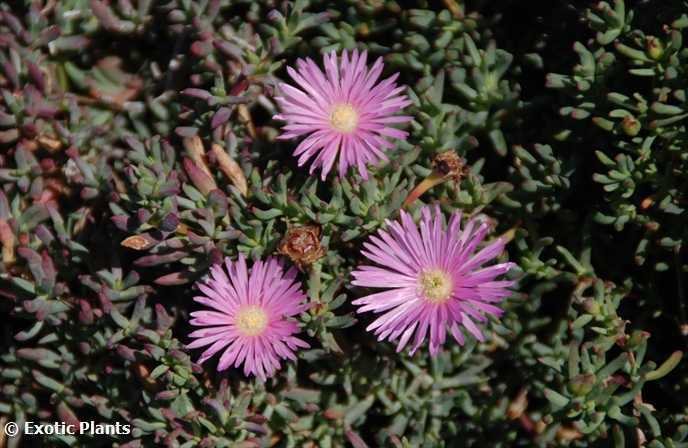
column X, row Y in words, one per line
column 137, row 148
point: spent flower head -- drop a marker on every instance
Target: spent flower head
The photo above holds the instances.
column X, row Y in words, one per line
column 301, row 244
column 344, row 111
column 434, row 279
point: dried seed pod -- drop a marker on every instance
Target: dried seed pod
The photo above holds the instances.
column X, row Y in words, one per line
column 450, row 165
column 302, row 245
column 446, row 165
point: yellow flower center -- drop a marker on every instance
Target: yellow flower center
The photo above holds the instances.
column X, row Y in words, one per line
column 344, row 118
column 436, row 285
column 251, row 321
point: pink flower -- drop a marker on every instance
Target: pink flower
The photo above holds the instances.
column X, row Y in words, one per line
column 342, row 111
column 434, row 280
column 249, row 316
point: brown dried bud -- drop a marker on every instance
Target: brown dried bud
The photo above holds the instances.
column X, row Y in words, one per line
column 230, row 168
column 194, row 147
column 518, row 405
column 646, row 203
column 302, row 245
column 450, row 165
column 49, row 143
column 567, row 434
column 143, row 374
column 446, row 165
column 139, row 242
column 7, row 241
column 245, row 117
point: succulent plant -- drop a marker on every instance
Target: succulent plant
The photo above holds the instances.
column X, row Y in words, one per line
column 139, row 150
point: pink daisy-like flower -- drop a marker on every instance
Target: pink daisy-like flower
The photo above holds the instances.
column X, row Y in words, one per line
column 343, row 111
column 250, row 316
column 434, row 277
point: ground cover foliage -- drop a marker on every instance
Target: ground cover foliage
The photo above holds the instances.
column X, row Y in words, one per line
column 138, row 148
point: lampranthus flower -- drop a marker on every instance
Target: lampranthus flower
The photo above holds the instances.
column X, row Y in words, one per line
column 434, row 277
column 251, row 317
column 343, row 111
